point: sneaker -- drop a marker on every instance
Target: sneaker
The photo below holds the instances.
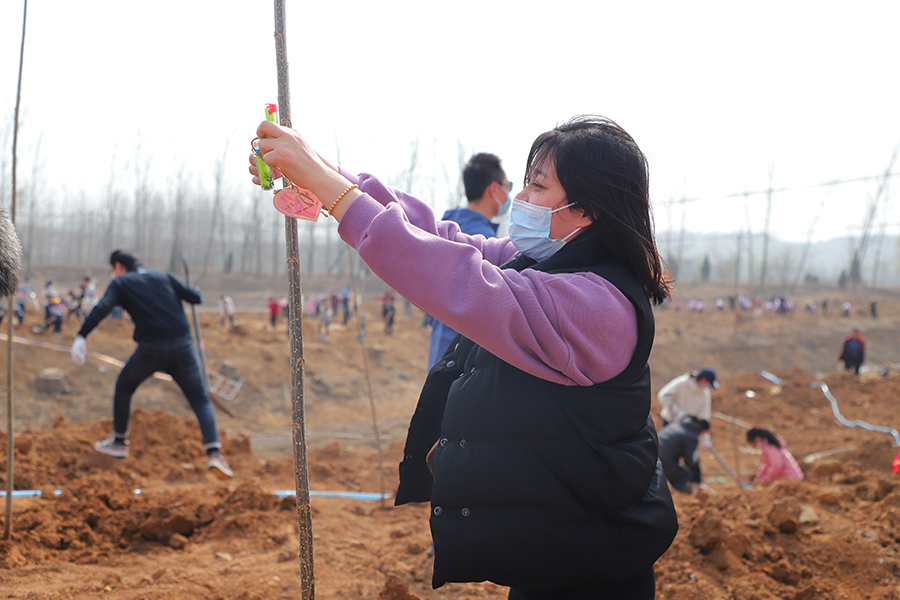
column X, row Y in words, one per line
column 112, row 447
column 217, row 461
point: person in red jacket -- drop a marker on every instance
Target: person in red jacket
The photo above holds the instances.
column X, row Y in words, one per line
column 777, row 462
column 895, row 466
column 273, row 311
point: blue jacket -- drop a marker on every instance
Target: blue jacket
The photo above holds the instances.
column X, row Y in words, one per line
column 153, row 299
column 470, row 223
column 679, row 441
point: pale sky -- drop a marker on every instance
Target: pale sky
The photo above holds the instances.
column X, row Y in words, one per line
column 719, row 96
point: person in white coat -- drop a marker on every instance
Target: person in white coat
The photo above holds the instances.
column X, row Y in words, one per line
column 88, row 296
column 226, row 310
column 688, row 395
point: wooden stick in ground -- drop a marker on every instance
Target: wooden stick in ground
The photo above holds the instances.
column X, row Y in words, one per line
column 201, row 349
column 732, row 420
column 811, row 458
column 731, row 473
column 735, row 443
column 10, row 441
column 295, row 329
column 361, row 336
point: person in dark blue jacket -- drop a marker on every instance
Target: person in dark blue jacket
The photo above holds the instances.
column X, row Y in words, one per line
column 853, row 352
column 678, row 452
column 153, row 300
column 487, row 192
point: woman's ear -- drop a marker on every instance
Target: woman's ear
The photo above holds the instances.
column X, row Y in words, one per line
column 581, row 219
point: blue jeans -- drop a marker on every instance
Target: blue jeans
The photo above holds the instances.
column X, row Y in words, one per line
column 178, row 359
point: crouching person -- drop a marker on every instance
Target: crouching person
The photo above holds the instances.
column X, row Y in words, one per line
column 679, row 454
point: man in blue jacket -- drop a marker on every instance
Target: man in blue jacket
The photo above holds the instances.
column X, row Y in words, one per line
column 679, row 454
column 153, row 300
column 487, row 192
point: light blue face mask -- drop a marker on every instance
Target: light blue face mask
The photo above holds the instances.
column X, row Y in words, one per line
column 529, row 230
column 505, row 206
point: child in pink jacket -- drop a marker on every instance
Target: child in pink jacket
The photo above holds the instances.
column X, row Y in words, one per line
column 777, row 462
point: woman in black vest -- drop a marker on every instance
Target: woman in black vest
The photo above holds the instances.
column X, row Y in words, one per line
column 543, row 472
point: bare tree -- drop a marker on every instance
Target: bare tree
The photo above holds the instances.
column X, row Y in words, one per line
column 5, row 182
column 783, row 266
column 30, row 243
column 77, row 241
column 251, row 253
column 311, row 249
column 218, row 178
column 112, row 211
column 90, row 238
column 225, row 230
column 178, row 218
column 10, row 383
column 141, row 193
column 462, row 157
column 765, row 252
column 859, row 252
column 277, row 247
column 157, row 228
column 880, row 241
column 411, row 173
column 801, row 265
column 751, row 264
column 679, row 260
column 257, row 231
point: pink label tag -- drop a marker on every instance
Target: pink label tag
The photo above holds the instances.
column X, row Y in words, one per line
column 298, row 203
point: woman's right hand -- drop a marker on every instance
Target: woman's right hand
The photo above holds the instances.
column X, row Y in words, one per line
column 288, row 153
column 254, row 169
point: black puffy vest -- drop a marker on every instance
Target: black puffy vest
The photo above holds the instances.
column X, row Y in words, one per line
column 539, row 485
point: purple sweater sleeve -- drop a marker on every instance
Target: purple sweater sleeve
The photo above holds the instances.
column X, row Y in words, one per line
column 568, row 328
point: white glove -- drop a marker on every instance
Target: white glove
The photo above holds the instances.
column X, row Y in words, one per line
column 706, row 441
column 79, row 350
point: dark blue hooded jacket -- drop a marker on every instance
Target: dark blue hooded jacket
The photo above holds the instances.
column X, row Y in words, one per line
column 152, row 299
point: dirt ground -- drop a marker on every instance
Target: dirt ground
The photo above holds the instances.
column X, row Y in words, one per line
column 188, row 534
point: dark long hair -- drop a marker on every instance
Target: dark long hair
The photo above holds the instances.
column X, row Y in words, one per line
column 605, row 174
column 758, row 432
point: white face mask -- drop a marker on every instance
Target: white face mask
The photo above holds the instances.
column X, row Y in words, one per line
column 529, row 230
column 503, row 207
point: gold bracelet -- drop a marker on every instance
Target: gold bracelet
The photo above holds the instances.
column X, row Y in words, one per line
column 341, row 197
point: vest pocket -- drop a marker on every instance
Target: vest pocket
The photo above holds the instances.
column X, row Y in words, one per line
column 555, row 492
